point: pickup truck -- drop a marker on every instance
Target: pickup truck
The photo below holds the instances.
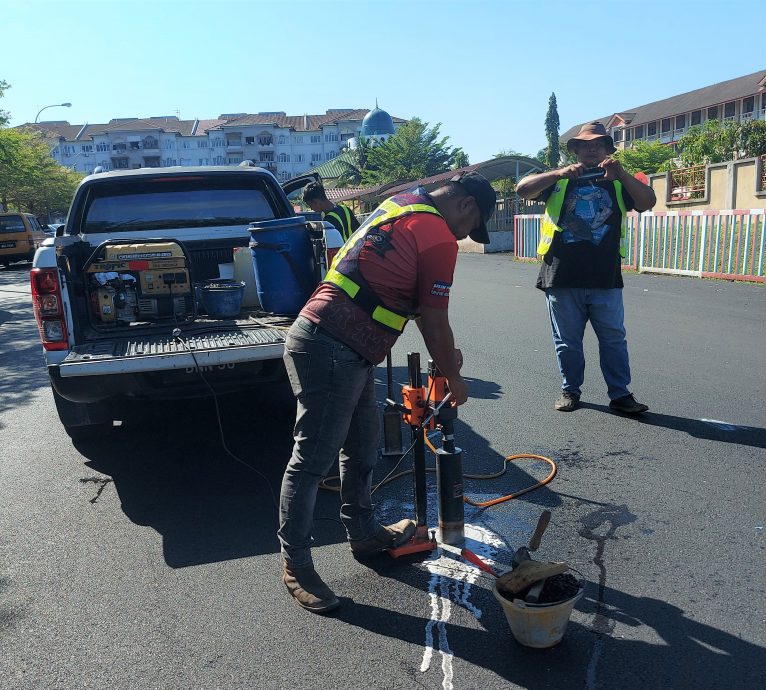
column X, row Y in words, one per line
column 116, row 294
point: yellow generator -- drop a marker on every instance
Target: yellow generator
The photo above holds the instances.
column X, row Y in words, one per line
column 140, row 282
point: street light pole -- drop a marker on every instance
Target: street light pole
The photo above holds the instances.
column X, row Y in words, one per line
column 54, row 105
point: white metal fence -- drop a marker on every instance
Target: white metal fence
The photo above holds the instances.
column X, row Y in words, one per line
column 707, row 244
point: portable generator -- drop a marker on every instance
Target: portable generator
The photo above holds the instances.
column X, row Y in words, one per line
column 140, row 282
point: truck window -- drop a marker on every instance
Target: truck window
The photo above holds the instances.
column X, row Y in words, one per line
column 166, row 203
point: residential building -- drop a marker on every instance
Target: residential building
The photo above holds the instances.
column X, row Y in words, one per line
column 740, row 99
column 287, row 145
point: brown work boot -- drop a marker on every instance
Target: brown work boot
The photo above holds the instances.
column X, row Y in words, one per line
column 308, row 589
column 386, row 537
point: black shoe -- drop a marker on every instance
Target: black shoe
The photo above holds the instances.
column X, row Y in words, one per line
column 628, row 405
column 308, row 589
column 386, row 538
column 567, row 402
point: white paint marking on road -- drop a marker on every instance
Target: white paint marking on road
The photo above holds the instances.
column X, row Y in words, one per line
column 590, row 676
column 723, row 426
column 451, row 581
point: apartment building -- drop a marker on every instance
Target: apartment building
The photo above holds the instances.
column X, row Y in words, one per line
column 740, row 99
column 287, row 145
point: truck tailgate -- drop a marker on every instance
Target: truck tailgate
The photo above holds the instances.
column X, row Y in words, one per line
column 157, row 353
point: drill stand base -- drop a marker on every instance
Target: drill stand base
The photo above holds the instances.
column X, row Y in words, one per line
column 421, row 541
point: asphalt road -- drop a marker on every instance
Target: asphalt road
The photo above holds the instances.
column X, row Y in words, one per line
column 148, row 559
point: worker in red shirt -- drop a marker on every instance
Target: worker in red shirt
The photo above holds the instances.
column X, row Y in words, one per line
column 397, row 266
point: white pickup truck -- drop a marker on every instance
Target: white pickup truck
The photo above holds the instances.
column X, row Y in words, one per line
column 116, row 293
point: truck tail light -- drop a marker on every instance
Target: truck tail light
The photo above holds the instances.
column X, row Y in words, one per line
column 49, row 308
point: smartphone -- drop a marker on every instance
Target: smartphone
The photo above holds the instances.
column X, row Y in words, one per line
column 592, row 174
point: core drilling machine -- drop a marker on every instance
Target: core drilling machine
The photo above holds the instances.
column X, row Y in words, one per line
column 428, row 409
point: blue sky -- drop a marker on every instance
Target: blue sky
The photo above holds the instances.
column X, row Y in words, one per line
column 483, row 69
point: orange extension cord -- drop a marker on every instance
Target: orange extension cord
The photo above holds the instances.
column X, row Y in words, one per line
column 516, row 494
column 325, row 483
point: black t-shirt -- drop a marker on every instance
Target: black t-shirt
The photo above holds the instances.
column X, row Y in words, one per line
column 587, row 253
column 339, row 211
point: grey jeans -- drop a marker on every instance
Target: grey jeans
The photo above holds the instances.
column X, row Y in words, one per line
column 337, row 417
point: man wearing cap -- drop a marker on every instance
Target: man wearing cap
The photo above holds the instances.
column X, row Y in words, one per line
column 340, row 216
column 581, row 246
column 397, row 266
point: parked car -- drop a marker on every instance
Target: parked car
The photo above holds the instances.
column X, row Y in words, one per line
column 20, row 236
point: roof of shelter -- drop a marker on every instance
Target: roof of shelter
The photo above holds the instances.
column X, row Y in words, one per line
column 493, row 169
column 337, row 193
column 334, row 168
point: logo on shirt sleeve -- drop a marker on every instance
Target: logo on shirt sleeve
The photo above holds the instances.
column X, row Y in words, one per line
column 440, row 289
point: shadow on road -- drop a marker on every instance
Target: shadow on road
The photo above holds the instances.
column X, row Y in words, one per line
column 686, row 653
column 710, row 430
column 172, row 473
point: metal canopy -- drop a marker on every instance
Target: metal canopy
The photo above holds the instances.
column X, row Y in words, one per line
column 514, row 167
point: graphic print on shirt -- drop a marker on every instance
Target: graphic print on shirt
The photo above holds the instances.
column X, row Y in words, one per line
column 440, row 289
column 378, row 240
column 584, row 216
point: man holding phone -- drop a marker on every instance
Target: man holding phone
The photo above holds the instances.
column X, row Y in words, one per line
column 581, row 246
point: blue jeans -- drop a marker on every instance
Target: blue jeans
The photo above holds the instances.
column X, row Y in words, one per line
column 570, row 309
column 337, row 415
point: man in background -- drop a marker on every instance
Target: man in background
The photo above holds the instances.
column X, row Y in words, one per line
column 581, row 246
column 340, row 216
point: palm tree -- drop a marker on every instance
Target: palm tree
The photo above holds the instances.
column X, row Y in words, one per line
column 355, row 163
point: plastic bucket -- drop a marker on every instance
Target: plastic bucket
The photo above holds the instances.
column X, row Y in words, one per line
column 222, row 298
column 537, row 625
column 283, row 262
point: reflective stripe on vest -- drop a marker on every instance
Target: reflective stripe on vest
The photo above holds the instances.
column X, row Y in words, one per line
column 549, row 223
column 351, row 281
column 345, row 229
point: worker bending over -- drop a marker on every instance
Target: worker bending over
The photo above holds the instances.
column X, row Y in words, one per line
column 397, row 266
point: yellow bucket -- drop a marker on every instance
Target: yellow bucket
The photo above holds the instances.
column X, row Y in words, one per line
column 537, row 625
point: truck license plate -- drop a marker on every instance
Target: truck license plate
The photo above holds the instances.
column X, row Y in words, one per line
column 7, row 245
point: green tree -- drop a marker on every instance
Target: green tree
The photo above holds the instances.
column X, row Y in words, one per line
column 30, row 180
column 355, row 162
column 552, row 154
column 712, row 142
column 645, row 157
column 461, row 159
column 753, row 138
column 414, row 152
column 5, row 116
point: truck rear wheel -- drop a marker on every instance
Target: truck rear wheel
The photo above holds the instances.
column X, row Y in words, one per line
column 83, row 421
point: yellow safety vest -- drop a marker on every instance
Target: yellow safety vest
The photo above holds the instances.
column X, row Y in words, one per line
column 549, row 224
column 344, row 272
column 345, row 227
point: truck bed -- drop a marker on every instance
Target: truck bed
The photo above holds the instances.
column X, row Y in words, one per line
column 206, row 342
